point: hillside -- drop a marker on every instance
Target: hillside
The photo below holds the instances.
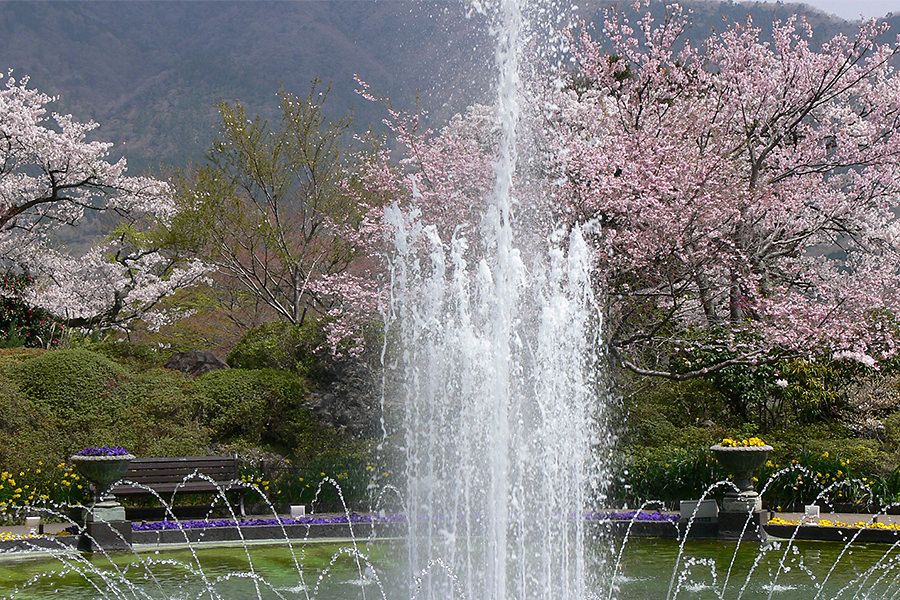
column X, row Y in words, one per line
column 151, row 72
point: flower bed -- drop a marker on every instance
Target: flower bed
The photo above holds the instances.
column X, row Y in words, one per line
column 104, row 451
column 753, row 442
column 633, row 516
column 830, row 523
column 354, row 518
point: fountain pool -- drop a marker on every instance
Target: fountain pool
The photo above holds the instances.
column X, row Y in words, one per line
column 329, row 572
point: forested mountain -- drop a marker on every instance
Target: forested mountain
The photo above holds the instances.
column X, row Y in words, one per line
column 150, row 72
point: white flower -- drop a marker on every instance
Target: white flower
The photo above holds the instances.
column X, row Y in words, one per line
column 859, row 357
column 782, row 383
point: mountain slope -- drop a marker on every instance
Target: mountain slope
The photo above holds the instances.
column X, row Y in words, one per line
column 150, row 72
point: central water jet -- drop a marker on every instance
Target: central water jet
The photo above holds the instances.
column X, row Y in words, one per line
column 498, row 329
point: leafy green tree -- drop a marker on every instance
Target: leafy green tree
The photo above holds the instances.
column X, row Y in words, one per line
column 270, row 210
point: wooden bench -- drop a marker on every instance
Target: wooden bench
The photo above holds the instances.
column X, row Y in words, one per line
column 166, row 475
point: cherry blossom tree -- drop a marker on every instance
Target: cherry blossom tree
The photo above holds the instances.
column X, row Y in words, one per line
column 741, row 197
column 443, row 175
column 50, row 176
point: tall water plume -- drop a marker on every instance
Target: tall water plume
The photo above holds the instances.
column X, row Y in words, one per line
column 498, row 331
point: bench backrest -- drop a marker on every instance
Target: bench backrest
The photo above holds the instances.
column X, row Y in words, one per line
column 173, row 469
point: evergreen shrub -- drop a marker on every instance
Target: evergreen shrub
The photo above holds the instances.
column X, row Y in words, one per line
column 278, row 345
column 75, row 387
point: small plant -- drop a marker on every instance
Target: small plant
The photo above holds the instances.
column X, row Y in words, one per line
column 42, row 486
column 753, row 442
column 104, row 451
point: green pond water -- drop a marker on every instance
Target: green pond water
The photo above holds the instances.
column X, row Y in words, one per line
column 329, row 571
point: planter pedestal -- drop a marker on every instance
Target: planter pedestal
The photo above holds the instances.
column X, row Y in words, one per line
column 734, row 525
column 105, row 527
column 106, row 536
column 106, row 511
column 742, row 461
column 742, row 516
column 744, row 503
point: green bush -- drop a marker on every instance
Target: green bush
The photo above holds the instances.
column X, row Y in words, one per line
column 53, row 403
column 278, row 345
column 344, row 474
column 842, row 471
column 27, row 435
column 264, row 407
column 667, row 412
column 161, row 419
column 75, row 387
column 892, row 430
column 667, row 474
column 255, row 405
column 138, row 356
column 240, row 402
column 56, row 403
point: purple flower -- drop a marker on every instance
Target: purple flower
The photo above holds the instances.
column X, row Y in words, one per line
column 104, row 451
column 633, row 515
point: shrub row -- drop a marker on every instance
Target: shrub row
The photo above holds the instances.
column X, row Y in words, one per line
column 54, row 403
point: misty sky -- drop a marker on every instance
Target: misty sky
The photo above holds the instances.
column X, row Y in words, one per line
column 851, row 9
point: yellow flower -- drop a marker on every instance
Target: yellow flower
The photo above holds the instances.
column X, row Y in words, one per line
column 746, row 442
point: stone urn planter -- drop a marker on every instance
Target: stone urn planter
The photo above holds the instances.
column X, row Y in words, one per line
column 742, row 462
column 103, row 467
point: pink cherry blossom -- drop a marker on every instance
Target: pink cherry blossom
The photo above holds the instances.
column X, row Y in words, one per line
column 50, row 175
column 740, row 197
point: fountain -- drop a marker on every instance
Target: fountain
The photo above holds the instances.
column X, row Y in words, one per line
column 498, row 334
